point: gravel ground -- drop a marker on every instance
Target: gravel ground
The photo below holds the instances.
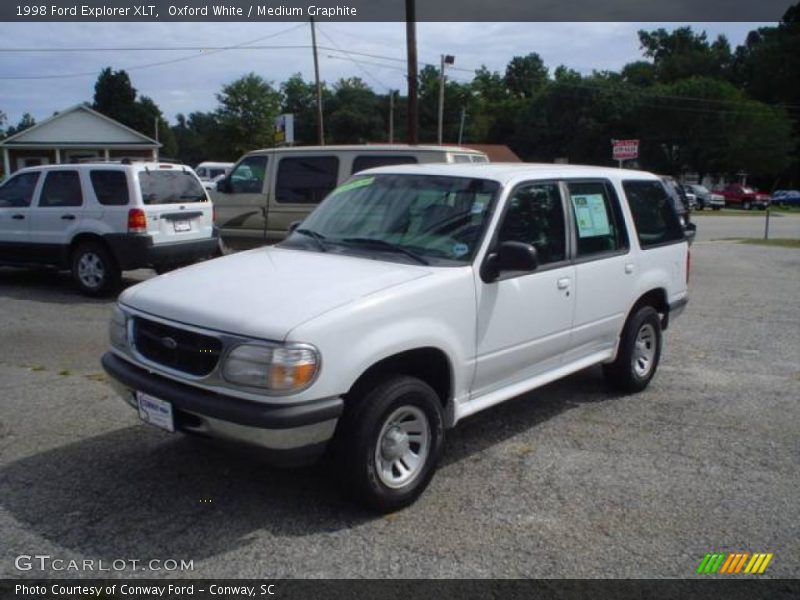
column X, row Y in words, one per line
column 567, row 481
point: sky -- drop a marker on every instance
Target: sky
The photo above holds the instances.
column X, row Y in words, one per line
column 191, row 78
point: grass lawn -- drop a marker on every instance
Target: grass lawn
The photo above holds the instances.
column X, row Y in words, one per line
column 779, row 242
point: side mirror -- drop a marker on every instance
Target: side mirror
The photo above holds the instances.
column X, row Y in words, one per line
column 509, row 256
column 224, row 186
column 294, row 225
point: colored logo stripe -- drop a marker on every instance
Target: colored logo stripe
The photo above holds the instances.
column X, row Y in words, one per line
column 734, row 562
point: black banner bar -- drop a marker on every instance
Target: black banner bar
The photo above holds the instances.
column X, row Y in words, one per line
column 733, row 588
column 393, row 10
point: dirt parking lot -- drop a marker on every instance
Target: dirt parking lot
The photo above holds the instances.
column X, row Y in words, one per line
column 568, row 481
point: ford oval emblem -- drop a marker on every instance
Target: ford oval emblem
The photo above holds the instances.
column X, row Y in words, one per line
column 169, row 343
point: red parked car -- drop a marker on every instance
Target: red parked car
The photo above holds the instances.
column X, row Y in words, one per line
column 742, row 196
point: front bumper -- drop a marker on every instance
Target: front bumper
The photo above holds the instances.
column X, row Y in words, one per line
column 133, row 251
column 293, row 434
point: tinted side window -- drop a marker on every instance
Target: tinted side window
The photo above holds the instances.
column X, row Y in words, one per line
column 110, row 187
column 248, row 176
column 61, row 188
column 598, row 221
column 535, row 216
column 306, row 180
column 368, row 162
column 17, row 192
column 653, row 213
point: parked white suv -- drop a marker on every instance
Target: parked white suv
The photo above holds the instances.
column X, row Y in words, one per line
column 99, row 219
column 411, row 298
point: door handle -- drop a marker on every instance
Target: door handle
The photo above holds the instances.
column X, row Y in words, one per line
column 18, row 217
column 629, row 268
column 68, row 217
column 563, row 283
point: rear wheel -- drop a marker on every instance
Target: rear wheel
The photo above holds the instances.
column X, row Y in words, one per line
column 389, row 441
column 639, row 352
column 94, row 270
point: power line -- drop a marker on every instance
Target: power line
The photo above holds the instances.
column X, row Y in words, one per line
column 203, row 52
column 356, row 63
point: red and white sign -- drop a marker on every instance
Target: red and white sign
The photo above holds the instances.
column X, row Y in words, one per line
column 625, row 149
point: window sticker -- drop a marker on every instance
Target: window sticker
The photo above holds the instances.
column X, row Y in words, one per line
column 590, row 214
column 354, row 185
column 460, row 250
column 477, row 207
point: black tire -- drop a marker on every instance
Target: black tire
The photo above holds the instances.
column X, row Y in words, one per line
column 367, row 414
column 627, row 373
column 94, row 270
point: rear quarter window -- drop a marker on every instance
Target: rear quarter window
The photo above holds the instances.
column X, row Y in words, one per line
column 110, row 187
column 170, row 186
column 653, row 214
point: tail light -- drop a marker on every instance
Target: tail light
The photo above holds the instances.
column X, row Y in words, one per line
column 137, row 221
column 688, row 264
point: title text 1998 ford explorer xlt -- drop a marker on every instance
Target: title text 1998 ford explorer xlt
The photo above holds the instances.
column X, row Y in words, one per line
column 413, row 297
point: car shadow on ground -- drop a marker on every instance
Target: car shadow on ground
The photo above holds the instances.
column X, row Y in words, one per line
column 56, row 287
column 138, row 492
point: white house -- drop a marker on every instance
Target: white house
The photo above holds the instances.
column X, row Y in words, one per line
column 72, row 135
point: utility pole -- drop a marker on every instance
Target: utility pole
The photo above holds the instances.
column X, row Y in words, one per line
column 391, row 116
column 320, row 122
column 411, row 45
column 447, row 59
column 461, row 126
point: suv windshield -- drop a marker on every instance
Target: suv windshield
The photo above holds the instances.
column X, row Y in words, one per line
column 170, row 187
column 425, row 219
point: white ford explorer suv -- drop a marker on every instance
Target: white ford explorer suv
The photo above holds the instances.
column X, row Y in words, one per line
column 99, row 219
column 411, row 298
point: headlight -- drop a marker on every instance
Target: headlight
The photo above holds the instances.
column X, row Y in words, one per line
column 281, row 368
column 118, row 328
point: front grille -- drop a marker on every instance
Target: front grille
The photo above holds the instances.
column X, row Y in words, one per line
column 179, row 349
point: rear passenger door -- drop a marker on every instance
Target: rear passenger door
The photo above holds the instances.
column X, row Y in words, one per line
column 604, row 267
column 57, row 215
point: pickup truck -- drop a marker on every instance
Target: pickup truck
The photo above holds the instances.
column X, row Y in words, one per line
column 744, row 197
column 413, row 297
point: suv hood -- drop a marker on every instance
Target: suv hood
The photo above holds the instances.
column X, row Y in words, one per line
column 267, row 292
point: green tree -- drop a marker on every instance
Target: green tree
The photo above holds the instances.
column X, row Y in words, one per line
column 26, row 122
column 300, row 99
column 525, row 75
column 247, row 111
column 199, row 137
column 682, row 53
column 115, row 97
column 354, row 116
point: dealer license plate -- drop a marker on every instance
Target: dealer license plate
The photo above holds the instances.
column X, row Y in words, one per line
column 155, row 411
column 182, row 225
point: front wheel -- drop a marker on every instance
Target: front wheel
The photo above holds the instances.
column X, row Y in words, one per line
column 94, row 270
column 639, row 352
column 746, row 205
column 389, row 441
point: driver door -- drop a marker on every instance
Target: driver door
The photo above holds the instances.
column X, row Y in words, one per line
column 525, row 318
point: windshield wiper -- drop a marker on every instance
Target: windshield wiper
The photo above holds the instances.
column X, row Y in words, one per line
column 317, row 237
column 384, row 245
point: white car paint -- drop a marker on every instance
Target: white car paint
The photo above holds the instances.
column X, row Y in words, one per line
column 500, row 338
